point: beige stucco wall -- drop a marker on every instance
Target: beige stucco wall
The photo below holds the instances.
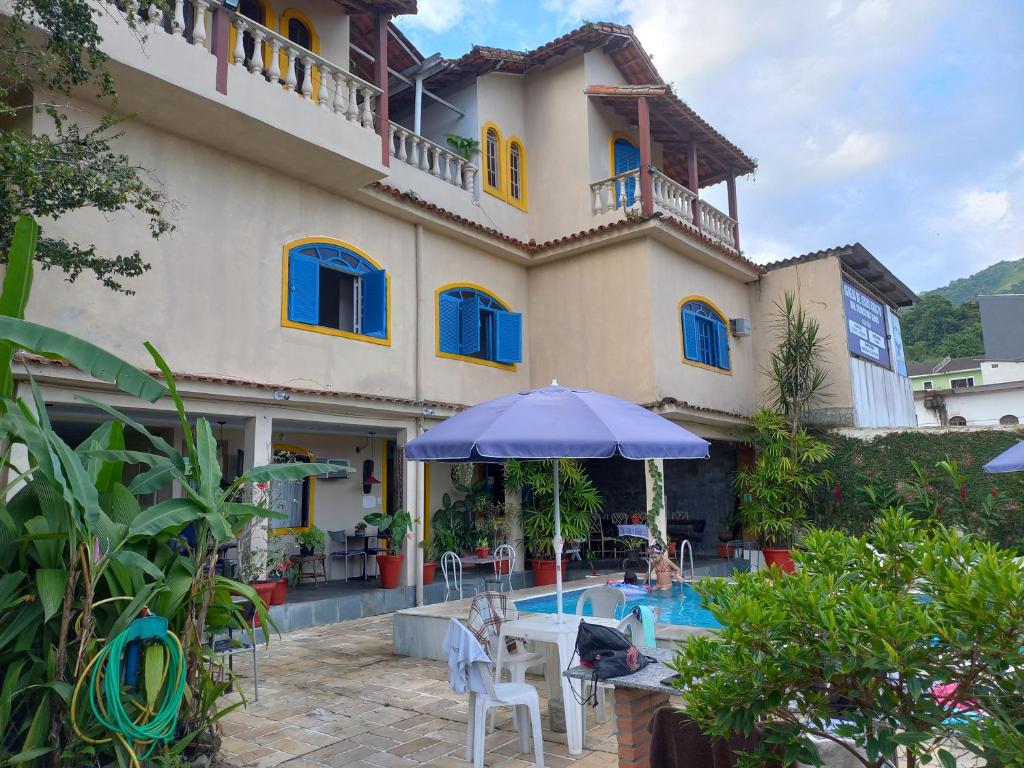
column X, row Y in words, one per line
column 818, row 287
column 500, row 100
column 590, row 320
column 674, row 277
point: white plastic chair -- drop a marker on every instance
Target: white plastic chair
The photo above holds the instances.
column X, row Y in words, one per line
column 605, row 602
column 451, row 569
column 504, row 566
column 525, row 703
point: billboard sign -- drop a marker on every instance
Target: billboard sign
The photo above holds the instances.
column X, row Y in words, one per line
column 865, row 326
column 899, row 357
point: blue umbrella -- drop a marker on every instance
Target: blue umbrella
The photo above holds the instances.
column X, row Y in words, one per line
column 1010, row 460
column 556, row 423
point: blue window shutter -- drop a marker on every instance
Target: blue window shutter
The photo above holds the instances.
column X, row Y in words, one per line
column 627, row 158
column 722, row 334
column 509, row 330
column 303, row 289
column 374, row 320
column 469, row 322
column 448, row 323
column 691, row 344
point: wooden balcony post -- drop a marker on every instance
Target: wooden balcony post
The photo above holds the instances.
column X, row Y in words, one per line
column 220, row 43
column 734, row 211
column 644, row 129
column 381, row 75
column 691, row 164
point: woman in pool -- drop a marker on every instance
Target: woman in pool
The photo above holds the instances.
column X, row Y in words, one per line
column 665, row 571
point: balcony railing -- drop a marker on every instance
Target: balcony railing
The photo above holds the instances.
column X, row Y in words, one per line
column 431, row 158
column 277, row 60
column 623, row 190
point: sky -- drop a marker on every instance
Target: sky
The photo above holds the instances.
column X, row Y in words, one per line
column 898, row 124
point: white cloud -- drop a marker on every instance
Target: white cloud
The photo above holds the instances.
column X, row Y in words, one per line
column 984, row 209
column 857, row 151
column 439, row 15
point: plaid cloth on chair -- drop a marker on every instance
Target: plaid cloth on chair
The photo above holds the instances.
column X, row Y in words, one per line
column 486, row 613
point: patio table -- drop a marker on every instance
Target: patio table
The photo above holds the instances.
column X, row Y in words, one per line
column 635, row 530
column 560, row 640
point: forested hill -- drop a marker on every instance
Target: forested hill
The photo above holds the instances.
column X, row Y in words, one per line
column 946, row 321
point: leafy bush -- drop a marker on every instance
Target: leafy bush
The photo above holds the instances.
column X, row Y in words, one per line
column 873, row 623
column 579, row 501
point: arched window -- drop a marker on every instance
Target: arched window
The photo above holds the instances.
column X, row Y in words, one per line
column 1008, row 420
column 475, row 325
column 705, row 334
column 251, row 9
column 334, row 288
column 298, row 28
column 516, row 173
column 957, row 421
column 625, row 157
column 492, row 160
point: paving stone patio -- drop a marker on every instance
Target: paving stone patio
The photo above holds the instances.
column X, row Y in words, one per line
column 337, row 696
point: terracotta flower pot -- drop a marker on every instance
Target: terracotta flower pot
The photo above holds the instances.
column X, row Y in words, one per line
column 779, row 557
column 429, row 571
column 280, row 591
column 725, row 550
column 390, row 568
column 501, row 566
column 483, row 551
column 544, row 571
column 264, row 590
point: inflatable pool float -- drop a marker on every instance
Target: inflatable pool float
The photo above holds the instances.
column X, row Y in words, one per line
column 630, row 589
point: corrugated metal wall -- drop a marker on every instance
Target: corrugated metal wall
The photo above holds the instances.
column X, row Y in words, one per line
column 881, row 398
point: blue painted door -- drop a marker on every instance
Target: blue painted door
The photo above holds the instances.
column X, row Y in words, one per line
column 627, row 158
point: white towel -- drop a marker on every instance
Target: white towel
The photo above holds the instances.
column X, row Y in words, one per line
column 464, row 650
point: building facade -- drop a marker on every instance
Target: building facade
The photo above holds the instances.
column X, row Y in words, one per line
column 341, row 277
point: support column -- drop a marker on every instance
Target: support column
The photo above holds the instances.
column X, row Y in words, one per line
column 662, row 519
column 734, row 211
column 633, row 711
column 381, row 75
column 257, row 451
column 220, row 42
column 514, row 514
column 644, row 129
column 417, row 118
column 694, row 182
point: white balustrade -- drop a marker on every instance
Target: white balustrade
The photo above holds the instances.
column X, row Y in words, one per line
column 717, row 224
column 199, row 27
column 672, row 196
column 621, row 190
column 431, row 158
column 256, row 62
column 178, row 19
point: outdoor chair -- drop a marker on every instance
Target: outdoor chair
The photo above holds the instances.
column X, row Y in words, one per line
column 451, row 569
column 486, row 695
column 345, row 553
column 229, row 647
column 504, row 567
column 599, row 544
column 605, row 602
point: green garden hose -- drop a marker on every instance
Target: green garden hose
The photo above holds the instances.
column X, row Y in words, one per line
column 111, row 676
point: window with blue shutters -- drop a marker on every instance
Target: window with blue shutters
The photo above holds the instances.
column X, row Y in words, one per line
column 705, row 335
column 625, row 157
column 334, row 288
column 477, row 326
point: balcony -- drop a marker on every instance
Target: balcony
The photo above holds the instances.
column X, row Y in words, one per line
column 259, row 96
column 429, row 158
column 624, row 191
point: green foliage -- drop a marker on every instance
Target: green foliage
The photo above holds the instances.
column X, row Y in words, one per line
column 394, row 527
column 874, row 620
column 934, row 328
column 464, row 147
column 657, row 503
column 796, row 370
column 312, row 538
column 53, row 173
column 1001, row 277
column 869, row 475
column 579, row 501
column 778, row 487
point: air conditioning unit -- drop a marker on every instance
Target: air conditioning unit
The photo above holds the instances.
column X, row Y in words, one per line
column 740, row 326
column 343, row 472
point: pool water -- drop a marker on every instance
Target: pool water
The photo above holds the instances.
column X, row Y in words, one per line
column 681, row 606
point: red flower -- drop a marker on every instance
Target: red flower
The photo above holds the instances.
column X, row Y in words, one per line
column 871, row 474
column 995, row 491
column 837, row 492
column 963, row 492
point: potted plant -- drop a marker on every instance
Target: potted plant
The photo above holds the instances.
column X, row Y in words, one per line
column 360, row 528
column 430, row 558
column 579, row 502
column 394, row 528
column 777, row 487
column 483, row 549
column 310, row 541
column 252, row 570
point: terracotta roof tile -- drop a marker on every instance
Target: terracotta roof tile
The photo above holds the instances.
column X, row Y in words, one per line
column 683, row 404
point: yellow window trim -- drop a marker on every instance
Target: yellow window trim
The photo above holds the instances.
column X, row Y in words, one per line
column 437, row 327
column 521, row 203
column 498, row 191
column 682, row 336
column 611, row 147
column 312, row 489
column 269, row 21
column 286, row 16
column 286, row 323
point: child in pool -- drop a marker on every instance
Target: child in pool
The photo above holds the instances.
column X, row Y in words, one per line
column 665, row 571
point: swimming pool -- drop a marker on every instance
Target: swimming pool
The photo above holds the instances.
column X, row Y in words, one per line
column 681, row 606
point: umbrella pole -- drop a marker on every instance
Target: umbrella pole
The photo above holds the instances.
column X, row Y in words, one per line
column 558, row 547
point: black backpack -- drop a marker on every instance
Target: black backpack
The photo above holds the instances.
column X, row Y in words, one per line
column 608, row 652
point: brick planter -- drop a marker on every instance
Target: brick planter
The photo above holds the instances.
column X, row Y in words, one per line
column 633, row 711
